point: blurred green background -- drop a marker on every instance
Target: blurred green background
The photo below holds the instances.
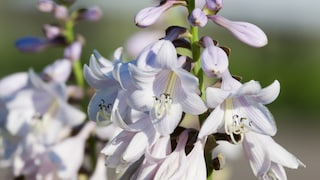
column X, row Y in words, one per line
column 292, row 55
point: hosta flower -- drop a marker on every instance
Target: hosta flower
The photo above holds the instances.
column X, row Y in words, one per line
column 267, row 158
column 239, row 108
column 164, row 88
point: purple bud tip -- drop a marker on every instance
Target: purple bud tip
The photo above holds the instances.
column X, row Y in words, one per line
column 31, row 44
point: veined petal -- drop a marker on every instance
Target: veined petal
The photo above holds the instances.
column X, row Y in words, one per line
column 269, row 94
column 174, row 166
column 95, row 81
column 188, row 81
column 246, row 32
column 7, row 87
column 260, row 117
column 280, row 155
column 215, row 96
column 256, row 153
column 141, row 100
column 249, row 88
column 136, row 147
column 165, row 54
column 149, row 15
column 213, row 123
column 166, row 124
column 196, row 163
column 193, row 104
column 142, row 78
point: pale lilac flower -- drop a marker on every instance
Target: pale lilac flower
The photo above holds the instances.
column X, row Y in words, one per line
column 150, row 15
column 163, row 87
column 198, row 18
column 214, row 60
column 239, row 108
column 246, row 32
column 267, row 158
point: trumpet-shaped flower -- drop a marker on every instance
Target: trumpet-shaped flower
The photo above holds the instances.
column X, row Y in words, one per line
column 163, row 88
column 239, row 108
column 267, row 158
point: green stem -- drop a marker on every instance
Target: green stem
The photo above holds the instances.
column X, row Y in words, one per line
column 77, row 66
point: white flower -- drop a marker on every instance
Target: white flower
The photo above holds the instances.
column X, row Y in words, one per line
column 239, row 108
column 163, row 88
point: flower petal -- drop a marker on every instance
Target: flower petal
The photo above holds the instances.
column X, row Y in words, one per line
column 269, row 94
column 215, row 96
column 212, row 124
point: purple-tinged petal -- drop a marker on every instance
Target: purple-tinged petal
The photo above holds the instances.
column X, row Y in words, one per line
column 269, row 94
column 215, row 96
column 198, row 18
column 248, row 33
column 141, row 100
column 189, row 82
column 142, row 79
column 61, row 12
column 150, row 15
column 165, row 55
column 51, row 31
column 260, row 118
column 212, row 124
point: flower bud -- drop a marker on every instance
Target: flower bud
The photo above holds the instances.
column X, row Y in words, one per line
column 214, row 5
column 46, row 5
column 61, row 12
column 91, row 14
column 198, row 18
column 214, row 60
column 73, row 51
column 51, row 31
column 32, row 44
column 247, row 33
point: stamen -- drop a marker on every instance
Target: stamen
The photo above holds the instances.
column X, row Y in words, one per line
column 234, row 124
column 162, row 105
column 104, row 114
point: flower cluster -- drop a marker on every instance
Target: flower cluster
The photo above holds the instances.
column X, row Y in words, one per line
column 42, row 134
column 170, row 118
column 164, row 114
